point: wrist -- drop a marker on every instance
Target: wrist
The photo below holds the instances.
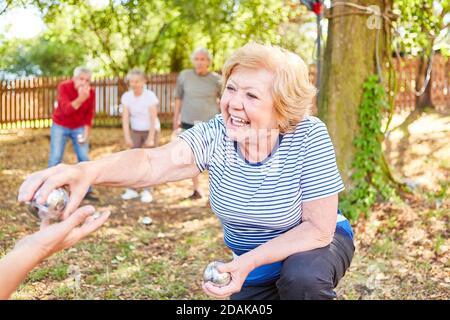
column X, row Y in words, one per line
column 28, row 247
column 89, row 169
column 248, row 260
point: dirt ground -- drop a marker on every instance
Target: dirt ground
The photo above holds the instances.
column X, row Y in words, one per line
column 401, row 247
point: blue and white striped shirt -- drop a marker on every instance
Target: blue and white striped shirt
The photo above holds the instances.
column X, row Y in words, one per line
column 257, row 202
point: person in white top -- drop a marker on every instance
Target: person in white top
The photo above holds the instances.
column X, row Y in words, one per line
column 141, row 113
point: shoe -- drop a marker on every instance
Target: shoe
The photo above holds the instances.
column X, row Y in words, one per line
column 91, row 196
column 196, row 195
column 146, row 196
column 129, row 194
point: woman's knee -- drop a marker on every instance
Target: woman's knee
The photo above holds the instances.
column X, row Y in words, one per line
column 306, row 276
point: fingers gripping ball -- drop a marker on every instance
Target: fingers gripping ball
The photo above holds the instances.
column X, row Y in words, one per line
column 52, row 208
column 219, row 279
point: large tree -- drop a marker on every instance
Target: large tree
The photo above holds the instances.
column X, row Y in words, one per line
column 356, row 42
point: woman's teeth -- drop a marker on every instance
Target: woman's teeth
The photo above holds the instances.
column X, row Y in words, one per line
column 239, row 122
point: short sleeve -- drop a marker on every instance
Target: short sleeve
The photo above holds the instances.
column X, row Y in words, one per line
column 203, row 139
column 179, row 91
column 153, row 99
column 124, row 100
column 320, row 175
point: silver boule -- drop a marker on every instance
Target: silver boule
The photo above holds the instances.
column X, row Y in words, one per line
column 53, row 207
column 211, row 274
column 146, row 221
column 81, row 139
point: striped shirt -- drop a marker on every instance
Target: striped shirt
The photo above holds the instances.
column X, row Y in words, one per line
column 257, row 202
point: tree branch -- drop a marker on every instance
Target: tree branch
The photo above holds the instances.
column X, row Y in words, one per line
column 153, row 43
column 5, row 8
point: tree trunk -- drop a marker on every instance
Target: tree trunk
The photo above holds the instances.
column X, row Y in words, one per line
column 349, row 59
column 424, row 99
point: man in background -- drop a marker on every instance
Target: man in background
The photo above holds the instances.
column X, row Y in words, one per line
column 196, row 99
column 73, row 119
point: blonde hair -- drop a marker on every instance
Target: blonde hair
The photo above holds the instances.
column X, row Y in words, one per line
column 292, row 92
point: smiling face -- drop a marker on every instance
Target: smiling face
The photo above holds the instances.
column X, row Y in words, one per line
column 247, row 105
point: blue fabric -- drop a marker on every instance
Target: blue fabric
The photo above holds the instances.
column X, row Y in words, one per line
column 345, row 226
column 58, row 139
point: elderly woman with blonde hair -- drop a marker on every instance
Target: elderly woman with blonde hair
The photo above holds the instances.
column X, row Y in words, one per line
column 273, row 179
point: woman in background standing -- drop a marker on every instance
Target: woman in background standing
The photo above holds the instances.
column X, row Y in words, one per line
column 141, row 113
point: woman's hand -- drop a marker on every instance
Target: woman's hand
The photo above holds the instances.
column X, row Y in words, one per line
column 42, row 183
column 32, row 249
column 239, row 268
column 56, row 237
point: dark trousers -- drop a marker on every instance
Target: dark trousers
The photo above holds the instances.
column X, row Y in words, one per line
column 309, row 275
column 186, row 126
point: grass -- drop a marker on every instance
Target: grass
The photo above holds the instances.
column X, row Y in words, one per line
column 438, row 242
column 64, row 292
column 383, row 247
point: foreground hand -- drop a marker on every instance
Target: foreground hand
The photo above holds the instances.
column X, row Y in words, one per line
column 73, row 176
column 56, row 237
column 239, row 270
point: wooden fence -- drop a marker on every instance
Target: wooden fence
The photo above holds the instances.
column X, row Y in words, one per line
column 406, row 81
column 29, row 103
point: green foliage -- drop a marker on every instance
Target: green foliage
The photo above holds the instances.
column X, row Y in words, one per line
column 44, row 56
column 369, row 180
column 56, row 58
column 421, row 25
column 156, row 35
column 15, row 58
column 6, row 5
column 58, row 272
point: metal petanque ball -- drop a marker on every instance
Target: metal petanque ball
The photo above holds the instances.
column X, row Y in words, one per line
column 213, row 275
column 80, row 139
column 53, row 207
column 147, row 221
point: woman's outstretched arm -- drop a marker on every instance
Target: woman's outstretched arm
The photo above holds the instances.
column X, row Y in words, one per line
column 133, row 168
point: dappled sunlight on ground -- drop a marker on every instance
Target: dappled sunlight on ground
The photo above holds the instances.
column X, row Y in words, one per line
column 423, row 157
